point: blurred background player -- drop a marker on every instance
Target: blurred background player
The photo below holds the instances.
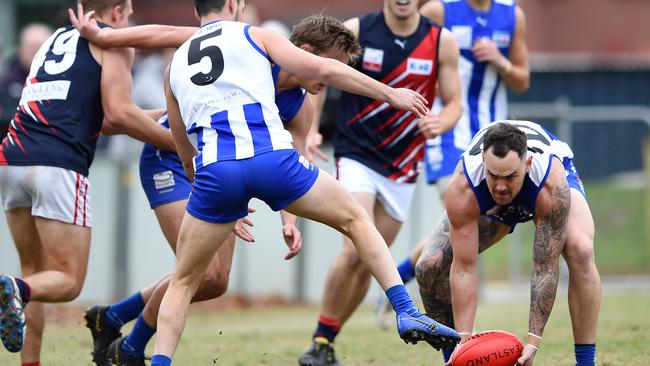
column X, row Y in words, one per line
column 243, row 142
column 491, row 35
column 44, row 163
column 513, row 172
column 16, row 69
column 378, row 149
column 322, row 35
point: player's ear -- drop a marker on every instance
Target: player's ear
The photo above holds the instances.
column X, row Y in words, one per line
column 307, row 47
column 529, row 163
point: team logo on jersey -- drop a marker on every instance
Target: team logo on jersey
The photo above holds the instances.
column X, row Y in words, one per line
column 418, row 66
column 373, row 59
column 501, row 39
column 164, row 180
column 463, row 34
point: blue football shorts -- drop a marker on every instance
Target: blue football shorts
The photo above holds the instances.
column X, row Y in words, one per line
column 222, row 190
column 162, row 177
column 573, row 177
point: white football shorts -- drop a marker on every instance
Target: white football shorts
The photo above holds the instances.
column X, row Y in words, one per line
column 52, row 193
column 395, row 197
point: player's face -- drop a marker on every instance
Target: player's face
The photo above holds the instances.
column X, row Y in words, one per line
column 122, row 16
column 313, row 86
column 504, row 176
column 401, row 9
column 241, row 7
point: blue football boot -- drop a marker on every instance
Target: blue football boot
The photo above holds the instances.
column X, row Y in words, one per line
column 12, row 316
column 413, row 329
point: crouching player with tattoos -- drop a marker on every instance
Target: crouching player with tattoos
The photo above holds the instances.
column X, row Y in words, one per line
column 514, row 171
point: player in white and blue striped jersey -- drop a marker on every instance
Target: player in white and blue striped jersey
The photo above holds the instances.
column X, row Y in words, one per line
column 220, row 92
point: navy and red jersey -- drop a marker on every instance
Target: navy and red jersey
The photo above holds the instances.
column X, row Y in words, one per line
column 60, row 113
column 383, row 138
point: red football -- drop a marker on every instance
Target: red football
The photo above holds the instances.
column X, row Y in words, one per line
column 490, row 348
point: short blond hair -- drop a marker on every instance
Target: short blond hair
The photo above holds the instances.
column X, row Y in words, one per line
column 323, row 32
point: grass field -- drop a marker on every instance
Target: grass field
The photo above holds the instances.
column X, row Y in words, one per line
column 277, row 335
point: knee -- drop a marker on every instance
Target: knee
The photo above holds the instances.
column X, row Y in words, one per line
column 354, row 220
column 214, row 285
column 580, row 254
column 430, row 267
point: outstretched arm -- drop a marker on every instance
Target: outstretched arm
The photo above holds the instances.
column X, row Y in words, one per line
column 141, row 36
column 119, row 110
column 552, row 211
column 463, row 213
column 332, row 72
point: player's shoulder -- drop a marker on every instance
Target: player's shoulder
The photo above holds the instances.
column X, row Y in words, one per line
column 434, row 10
column 459, row 198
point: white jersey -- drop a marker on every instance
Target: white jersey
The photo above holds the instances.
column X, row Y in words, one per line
column 224, row 87
column 542, row 147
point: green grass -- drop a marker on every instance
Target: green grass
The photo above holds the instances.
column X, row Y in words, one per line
column 276, row 336
column 620, row 242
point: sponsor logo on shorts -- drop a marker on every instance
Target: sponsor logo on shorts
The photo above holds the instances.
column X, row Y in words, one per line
column 418, row 66
column 164, row 180
column 305, row 163
column 373, row 59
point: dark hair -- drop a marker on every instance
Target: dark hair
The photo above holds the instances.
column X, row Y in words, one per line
column 99, row 6
column 323, row 32
column 503, row 138
column 203, row 7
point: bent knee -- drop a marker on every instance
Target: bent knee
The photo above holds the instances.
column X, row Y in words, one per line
column 430, row 266
column 213, row 286
column 580, row 254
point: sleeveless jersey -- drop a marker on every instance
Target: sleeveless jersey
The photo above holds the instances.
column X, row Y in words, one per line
column 288, row 101
column 224, row 87
column 385, row 139
column 542, row 147
column 483, row 92
column 60, row 113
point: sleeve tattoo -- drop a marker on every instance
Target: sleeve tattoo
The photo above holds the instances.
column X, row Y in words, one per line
column 550, row 235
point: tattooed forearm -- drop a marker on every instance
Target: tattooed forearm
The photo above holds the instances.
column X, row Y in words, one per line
column 550, row 236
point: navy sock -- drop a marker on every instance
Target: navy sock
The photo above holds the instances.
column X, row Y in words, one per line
column 585, row 354
column 327, row 328
column 160, row 360
column 406, row 270
column 137, row 340
column 124, row 311
column 446, row 353
column 24, row 289
column 401, row 300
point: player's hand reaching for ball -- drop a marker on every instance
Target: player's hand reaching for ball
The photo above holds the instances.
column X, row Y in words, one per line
column 527, row 356
column 409, row 100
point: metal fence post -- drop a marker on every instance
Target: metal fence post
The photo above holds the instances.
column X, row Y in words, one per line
column 122, row 223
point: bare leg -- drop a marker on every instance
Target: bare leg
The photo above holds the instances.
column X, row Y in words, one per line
column 388, row 228
column 584, row 280
column 30, row 252
column 329, row 203
column 65, row 249
column 432, row 269
column 198, row 241
column 339, row 284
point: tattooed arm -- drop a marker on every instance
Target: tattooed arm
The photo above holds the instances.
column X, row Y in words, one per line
column 552, row 210
column 463, row 212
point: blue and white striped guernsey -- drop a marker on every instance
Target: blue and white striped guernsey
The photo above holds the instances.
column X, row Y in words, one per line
column 483, row 92
column 224, row 87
